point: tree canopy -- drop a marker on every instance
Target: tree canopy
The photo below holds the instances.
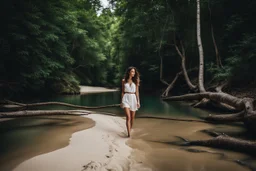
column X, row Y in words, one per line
column 55, row 46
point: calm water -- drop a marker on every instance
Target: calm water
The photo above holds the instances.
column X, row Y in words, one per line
column 150, row 104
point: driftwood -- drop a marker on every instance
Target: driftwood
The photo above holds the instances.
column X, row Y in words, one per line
column 29, row 113
column 227, row 142
column 247, row 115
column 10, row 109
column 235, row 102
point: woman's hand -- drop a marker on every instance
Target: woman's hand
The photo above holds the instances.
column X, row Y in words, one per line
column 121, row 105
column 138, row 105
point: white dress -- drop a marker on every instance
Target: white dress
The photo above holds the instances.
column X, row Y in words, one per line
column 129, row 99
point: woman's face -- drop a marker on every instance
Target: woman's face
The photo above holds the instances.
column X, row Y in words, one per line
column 132, row 72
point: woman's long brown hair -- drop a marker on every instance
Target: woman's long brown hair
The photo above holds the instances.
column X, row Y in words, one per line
column 136, row 78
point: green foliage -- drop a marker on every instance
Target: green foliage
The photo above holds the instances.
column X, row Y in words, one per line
column 55, row 45
column 148, row 29
column 145, row 25
column 236, row 39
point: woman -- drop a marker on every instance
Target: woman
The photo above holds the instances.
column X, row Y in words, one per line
column 130, row 96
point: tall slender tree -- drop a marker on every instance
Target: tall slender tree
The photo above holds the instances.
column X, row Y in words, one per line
column 200, row 49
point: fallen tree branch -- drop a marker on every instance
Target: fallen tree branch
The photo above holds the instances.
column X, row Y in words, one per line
column 20, row 106
column 171, row 85
column 183, row 63
column 222, row 155
column 226, row 142
column 237, row 117
column 218, row 97
column 28, row 113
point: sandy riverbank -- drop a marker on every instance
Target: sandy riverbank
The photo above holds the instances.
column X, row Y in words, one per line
column 102, row 147
column 24, row 138
column 90, row 89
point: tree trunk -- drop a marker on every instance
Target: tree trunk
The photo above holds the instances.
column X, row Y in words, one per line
column 245, row 104
column 214, row 96
column 170, row 86
column 183, row 63
column 201, row 52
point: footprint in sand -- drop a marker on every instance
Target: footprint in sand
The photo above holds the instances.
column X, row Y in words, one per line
column 110, row 149
column 91, row 166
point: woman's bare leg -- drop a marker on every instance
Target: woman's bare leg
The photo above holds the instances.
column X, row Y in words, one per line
column 128, row 120
column 132, row 117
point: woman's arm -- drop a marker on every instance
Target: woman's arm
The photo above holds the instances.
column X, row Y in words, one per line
column 138, row 95
column 122, row 94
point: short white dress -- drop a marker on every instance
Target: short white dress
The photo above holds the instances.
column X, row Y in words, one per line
column 129, row 99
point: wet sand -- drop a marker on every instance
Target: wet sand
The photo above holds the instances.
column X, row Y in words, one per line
column 148, row 137
column 54, row 134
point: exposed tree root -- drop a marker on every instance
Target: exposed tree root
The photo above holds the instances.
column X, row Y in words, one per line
column 226, row 142
column 221, row 141
column 222, row 155
column 238, row 117
column 246, row 164
column 214, row 96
